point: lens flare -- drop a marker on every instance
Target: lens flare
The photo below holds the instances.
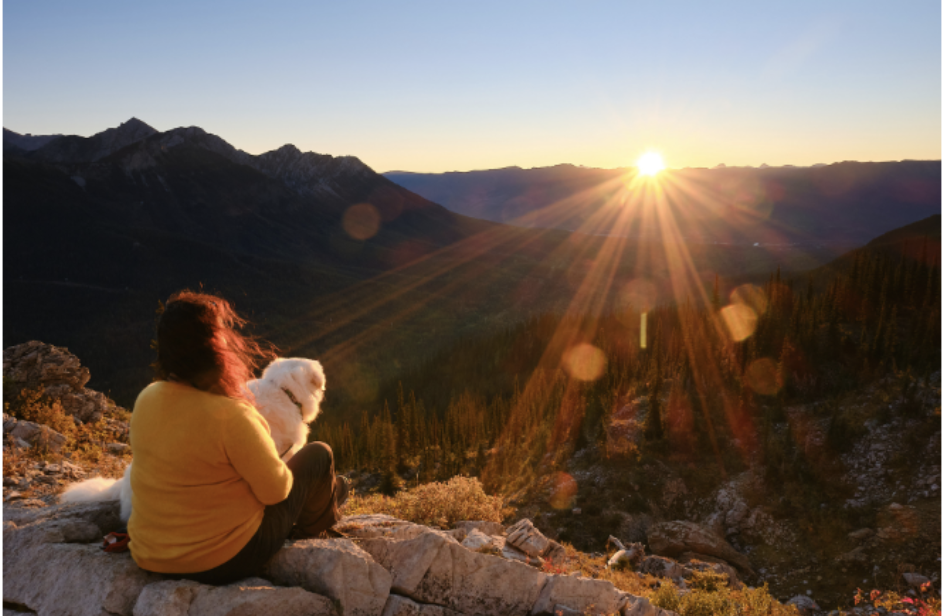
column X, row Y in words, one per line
column 640, row 294
column 752, row 296
column 562, row 491
column 584, row 362
column 762, row 377
column 740, row 321
column 361, row 221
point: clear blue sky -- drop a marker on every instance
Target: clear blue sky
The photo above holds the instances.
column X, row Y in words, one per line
column 437, row 86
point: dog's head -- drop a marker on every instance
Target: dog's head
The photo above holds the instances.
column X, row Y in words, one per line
column 304, row 378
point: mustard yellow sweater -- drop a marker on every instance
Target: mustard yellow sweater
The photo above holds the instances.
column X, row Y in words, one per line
column 204, row 468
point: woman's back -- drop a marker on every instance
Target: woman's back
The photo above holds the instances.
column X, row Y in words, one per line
column 204, row 469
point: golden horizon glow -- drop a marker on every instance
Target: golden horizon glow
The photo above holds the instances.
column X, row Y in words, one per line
column 650, row 164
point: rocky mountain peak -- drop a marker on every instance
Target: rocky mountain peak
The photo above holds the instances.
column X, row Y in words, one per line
column 122, row 136
column 309, row 173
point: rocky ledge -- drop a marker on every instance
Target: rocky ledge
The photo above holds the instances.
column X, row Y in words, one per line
column 53, row 564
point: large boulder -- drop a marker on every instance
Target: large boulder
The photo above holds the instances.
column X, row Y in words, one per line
column 60, row 375
column 337, row 568
column 437, row 570
column 662, row 567
column 252, row 596
column 578, row 594
column 675, row 538
column 52, row 562
column 34, row 434
column 527, row 538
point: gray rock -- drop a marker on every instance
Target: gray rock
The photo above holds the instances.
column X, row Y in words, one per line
column 398, row 605
column 527, row 538
column 804, row 604
column 374, row 525
column 583, row 595
column 104, row 515
column 436, row 570
column 86, row 580
column 659, row 566
column 675, row 538
column 488, row 528
column 915, row 580
column 60, row 375
column 511, row 553
column 254, row 596
column 337, row 568
column 477, row 540
column 37, row 435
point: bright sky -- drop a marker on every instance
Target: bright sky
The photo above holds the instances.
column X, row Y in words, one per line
column 440, row 86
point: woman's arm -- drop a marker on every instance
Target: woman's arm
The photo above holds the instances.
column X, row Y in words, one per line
column 251, row 451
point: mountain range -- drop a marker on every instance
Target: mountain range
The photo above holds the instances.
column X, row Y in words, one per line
column 330, row 259
column 840, row 205
column 319, row 250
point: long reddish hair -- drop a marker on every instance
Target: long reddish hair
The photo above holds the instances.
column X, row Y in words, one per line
column 198, row 341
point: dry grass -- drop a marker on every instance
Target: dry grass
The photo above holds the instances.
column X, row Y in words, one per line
column 434, row 504
column 710, row 596
column 33, row 405
column 85, row 444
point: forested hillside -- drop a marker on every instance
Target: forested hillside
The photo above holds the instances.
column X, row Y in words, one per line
column 556, row 380
column 780, row 393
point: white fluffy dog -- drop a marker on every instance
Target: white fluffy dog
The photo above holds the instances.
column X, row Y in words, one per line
column 288, row 396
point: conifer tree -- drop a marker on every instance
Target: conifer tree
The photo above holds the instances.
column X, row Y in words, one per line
column 653, row 427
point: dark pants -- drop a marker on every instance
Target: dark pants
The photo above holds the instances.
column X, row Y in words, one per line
column 311, row 508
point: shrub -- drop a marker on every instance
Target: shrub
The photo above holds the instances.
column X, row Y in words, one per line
column 434, row 504
column 709, row 595
column 31, row 404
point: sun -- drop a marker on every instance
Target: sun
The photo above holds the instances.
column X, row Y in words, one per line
column 650, row 163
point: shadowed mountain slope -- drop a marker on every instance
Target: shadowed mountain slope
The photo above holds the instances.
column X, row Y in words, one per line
column 844, row 204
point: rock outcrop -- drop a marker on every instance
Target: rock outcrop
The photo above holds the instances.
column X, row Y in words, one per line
column 675, row 538
column 52, row 562
column 251, row 596
column 31, row 434
column 53, row 565
column 60, row 375
column 336, row 568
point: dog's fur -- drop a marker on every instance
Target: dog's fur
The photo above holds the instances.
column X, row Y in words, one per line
column 304, row 378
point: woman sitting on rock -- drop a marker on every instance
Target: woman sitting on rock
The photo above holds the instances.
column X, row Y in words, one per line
column 212, row 500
